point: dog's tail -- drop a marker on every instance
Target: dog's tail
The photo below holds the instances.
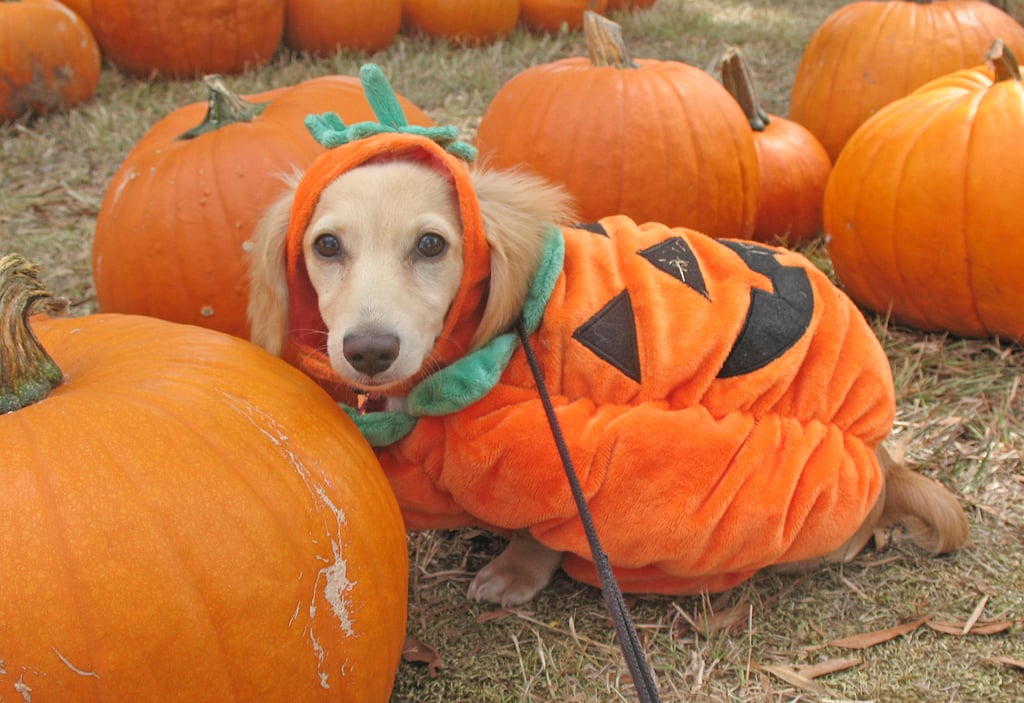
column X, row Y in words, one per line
column 926, row 509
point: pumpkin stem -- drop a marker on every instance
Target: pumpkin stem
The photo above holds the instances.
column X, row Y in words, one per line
column 27, row 372
column 1003, row 62
column 225, row 107
column 738, row 80
column 604, row 42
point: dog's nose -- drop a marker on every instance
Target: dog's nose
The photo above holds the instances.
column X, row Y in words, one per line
column 371, row 354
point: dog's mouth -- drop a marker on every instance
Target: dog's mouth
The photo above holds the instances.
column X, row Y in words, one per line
column 369, row 401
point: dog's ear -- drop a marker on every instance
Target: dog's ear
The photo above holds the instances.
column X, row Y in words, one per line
column 517, row 209
column 268, row 279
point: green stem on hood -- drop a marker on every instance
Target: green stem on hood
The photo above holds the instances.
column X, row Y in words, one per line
column 737, row 79
column 27, row 372
column 604, row 42
column 1003, row 62
column 225, row 107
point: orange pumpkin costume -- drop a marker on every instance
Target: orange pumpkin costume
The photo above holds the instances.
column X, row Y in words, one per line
column 721, row 400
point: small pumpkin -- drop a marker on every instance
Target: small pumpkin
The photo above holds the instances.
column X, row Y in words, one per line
column 794, row 165
column 655, row 140
column 471, row 22
column 185, row 38
column 553, row 15
column 190, row 519
column 868, row 53
column 49, row 60
column 182, row 206
column 922, row 216
column 322, row 27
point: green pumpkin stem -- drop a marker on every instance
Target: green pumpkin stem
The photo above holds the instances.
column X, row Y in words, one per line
column 225, row 107
column 738, row 80
column 27, row 372
column 604, row 42
column 1003, row 62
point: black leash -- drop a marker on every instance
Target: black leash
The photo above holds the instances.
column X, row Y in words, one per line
column 643, row 680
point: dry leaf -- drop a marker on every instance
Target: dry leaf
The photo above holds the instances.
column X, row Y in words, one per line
column 722, row 621
column 793, row 677
column 813, row 671
column 977, row 628
column 1004, row 661
column 976, row 615
column 870, row 639
column 416, row 651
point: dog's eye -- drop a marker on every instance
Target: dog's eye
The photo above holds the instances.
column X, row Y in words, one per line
column 327, row 246
column 431, row 245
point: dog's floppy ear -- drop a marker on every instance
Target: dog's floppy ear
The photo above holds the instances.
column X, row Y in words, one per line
column 268, row 279
column 517, row 209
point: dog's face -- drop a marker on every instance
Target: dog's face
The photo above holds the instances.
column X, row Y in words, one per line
column 383, row 252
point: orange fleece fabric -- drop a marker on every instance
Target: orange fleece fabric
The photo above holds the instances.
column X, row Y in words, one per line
column 721, row 400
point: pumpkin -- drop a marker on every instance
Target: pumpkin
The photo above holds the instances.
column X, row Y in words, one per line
column 82, row 8
column 185, row 38
column 922, row 214
column 794, row 166
column 322, row 27
column 180, row 209
column 49, row 59
column 186, row 518
column 471, row 22
column 655, row 140
column 552, row 15
column 866, row 54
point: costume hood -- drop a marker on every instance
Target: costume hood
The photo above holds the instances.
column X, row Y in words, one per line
column 389, row 139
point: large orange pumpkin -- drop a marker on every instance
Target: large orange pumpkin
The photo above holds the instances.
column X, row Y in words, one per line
column 552, row 15
column 322, row 27
column 187, row 38
column 866, row 54
column 922, row 209
column 462, row 21
column 175, row 217
column 794, row 165
column 656, row 140
column 49, row 59
column 186, row 518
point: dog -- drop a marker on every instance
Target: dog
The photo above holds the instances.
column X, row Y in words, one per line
column 384, row 252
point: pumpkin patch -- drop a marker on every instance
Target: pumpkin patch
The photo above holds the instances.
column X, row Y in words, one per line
column 959, row 405
column 186, row 518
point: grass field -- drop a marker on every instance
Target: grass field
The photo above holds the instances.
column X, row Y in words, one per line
column 960, row 418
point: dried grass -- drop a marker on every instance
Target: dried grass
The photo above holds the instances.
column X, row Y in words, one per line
column 960, row 417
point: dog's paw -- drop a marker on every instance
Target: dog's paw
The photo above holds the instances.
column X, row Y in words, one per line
column 495, row 584
column 517, row 574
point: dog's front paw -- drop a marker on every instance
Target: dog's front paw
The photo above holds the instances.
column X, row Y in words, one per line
column 496, row 584
column 517, row 574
